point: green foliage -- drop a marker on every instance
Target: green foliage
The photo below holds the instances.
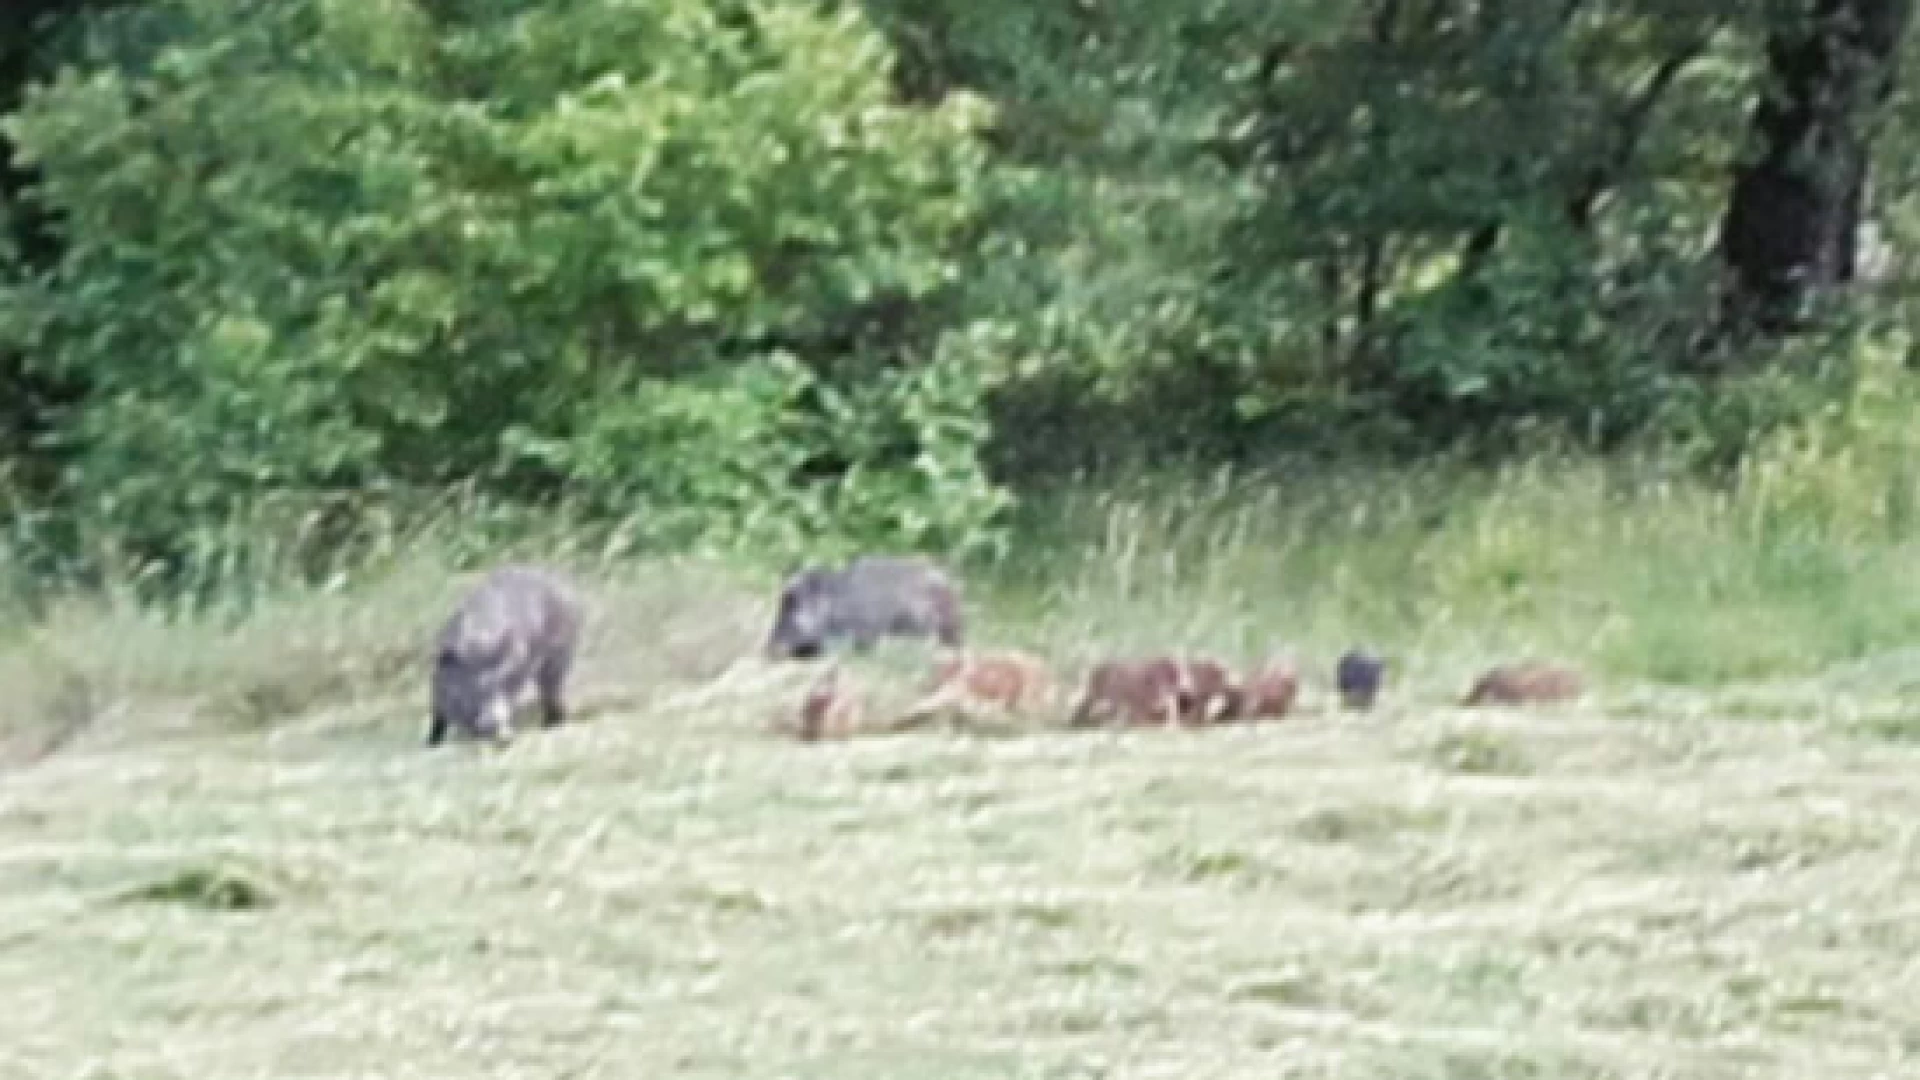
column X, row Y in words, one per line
column 789, row 278
column 586, row 246
column 1243, row 226
column 1846, row 473
column 1458, row 210
column 902, row 456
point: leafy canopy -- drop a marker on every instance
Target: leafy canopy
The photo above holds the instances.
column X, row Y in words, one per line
column 579, row 246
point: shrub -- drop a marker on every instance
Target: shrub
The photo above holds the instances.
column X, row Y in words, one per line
column 583, row 247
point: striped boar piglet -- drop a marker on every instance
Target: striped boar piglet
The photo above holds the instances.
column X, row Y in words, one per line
column 1137, row 693
column 1269, row 692
column 1531, row 683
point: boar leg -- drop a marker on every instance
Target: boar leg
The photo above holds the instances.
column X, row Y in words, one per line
column 1172, row 709
column 551, row 680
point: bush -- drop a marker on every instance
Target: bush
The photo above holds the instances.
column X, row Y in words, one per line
column 582, row 247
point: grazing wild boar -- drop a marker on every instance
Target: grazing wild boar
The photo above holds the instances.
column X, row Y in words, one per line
column 1209, row 695
column 875, row 596
column 1270, row 691
column 517, row 629
column 1525, row 684
column 1137, row 693
column 1357, row 677
column 832, row 709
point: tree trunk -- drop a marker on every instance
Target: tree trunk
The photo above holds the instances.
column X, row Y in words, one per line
column 1330, row 283
column 1788, row 230
column 1366, row 306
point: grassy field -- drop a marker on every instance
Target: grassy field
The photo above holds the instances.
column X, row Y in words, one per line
column 224, row 854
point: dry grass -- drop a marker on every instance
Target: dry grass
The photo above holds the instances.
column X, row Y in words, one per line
column 1651, row 884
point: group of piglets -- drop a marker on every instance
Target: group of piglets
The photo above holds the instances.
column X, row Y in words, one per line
column 878, row 596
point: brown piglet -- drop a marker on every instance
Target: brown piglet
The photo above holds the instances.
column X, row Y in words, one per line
column 1004, row 682
column 1525, row 684
column 1136, row 693
column 1269, row 692
column 831, row 710
column 1210, row 695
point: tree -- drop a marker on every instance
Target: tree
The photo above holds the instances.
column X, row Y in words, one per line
column 29, row 399
column 1794, row 211
column 326, row 248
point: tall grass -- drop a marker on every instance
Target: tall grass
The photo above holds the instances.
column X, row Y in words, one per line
column 1609, row 564
column 1806, row 557
column 1805, row 560
column 276, row 643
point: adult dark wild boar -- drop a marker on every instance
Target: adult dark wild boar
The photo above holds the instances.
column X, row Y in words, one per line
column 519, row 626
column 874, row 596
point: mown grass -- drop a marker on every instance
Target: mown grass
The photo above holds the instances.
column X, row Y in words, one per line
column 237, row 861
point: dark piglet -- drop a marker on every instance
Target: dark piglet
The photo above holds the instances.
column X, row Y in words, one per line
column 519, row 626
column 874, row 596
column 1357, row 677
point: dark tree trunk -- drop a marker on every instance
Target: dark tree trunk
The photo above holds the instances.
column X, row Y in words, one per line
column 1330, row 281
column 22, row 35
column 1789, row 225
column 29, row 398
column 1366, row 308
column 1366, row 364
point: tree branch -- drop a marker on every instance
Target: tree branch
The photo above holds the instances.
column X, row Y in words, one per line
column 1626, row 133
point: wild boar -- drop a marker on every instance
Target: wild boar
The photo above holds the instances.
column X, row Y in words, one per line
column 1209, row 694
column 832, row 709
column 1005, row 680
column 1137, row 693
column 1269, row 692
column 1532, row 683
column 874, row 596
column 520, row 626
column 1357, row 677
